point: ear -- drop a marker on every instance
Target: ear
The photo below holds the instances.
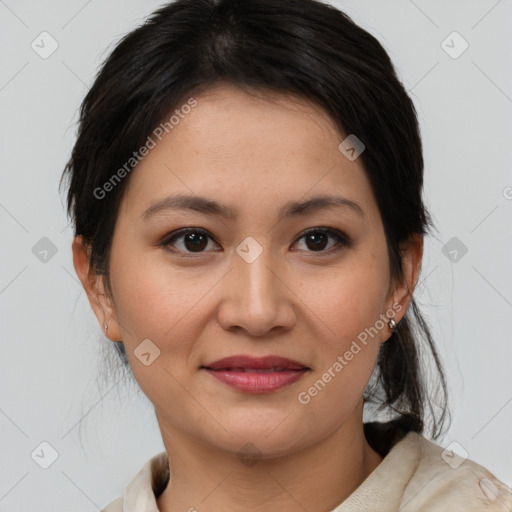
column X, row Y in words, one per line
column 94, row 287
column 412, row 253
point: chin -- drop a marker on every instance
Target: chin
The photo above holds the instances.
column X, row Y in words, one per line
column 264, row 432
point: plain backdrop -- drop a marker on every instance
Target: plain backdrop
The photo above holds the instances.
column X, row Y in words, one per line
column 97, row 435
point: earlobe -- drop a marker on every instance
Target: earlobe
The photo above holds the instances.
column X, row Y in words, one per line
column 93, row 285
column 412, row 253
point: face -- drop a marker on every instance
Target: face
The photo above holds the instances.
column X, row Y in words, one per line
column 253, row 276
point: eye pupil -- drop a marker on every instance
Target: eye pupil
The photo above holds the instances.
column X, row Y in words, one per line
column 196, row 241
column 319, row 240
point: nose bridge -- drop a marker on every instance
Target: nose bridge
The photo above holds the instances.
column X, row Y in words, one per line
column 257, row 282
column 256, row 299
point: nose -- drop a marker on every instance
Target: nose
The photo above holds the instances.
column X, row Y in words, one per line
column 256, row 298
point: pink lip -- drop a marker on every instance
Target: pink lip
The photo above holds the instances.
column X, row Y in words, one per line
column 256, row 375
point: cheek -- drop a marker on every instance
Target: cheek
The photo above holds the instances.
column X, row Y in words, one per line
column 349, row 344
column 349, row 298
column 349, row 302
column 154, row 299
column 157, row 302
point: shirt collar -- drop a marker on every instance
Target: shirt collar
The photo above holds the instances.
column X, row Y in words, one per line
column 398, row 448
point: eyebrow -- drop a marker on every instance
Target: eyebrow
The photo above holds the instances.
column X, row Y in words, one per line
column 210, row 207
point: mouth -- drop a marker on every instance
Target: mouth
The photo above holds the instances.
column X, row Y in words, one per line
column 249, row 363
column 256, row 375
column 252, row 370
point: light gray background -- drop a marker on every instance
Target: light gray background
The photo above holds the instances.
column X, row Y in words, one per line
column 51, row 341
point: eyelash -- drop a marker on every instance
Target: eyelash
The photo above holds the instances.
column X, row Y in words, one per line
column 342, row 240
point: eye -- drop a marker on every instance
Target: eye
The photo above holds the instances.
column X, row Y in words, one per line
column 316, row 239
column 193, row 240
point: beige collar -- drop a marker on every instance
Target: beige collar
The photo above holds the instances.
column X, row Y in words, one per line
column 416, row 475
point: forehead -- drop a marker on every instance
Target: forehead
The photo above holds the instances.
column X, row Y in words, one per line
column 231, row 120
column 250, row 149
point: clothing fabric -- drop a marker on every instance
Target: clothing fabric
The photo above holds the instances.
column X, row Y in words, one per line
column 415, row 475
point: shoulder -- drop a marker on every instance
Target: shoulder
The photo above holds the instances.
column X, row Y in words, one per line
column 114, row 506
column 442, row 481
column 141, row 492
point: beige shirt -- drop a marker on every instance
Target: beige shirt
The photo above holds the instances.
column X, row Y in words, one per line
column 416, row 475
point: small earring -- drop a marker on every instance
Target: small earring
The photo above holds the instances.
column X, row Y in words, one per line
column 106, row 327
column 392, row 324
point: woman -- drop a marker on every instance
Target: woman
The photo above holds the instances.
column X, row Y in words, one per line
column 246, row 188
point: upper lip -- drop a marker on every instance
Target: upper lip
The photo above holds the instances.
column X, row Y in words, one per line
column 255, row 363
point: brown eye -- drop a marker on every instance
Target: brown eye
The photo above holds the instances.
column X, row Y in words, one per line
column 192, row 240
column 316, row 240
column 195, row 241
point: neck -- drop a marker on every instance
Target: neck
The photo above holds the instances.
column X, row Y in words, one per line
column 317, row 478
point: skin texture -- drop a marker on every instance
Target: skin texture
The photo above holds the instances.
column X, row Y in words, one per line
column 254, row 152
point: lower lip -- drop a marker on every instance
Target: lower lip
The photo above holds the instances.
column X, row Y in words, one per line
column 257, row 382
